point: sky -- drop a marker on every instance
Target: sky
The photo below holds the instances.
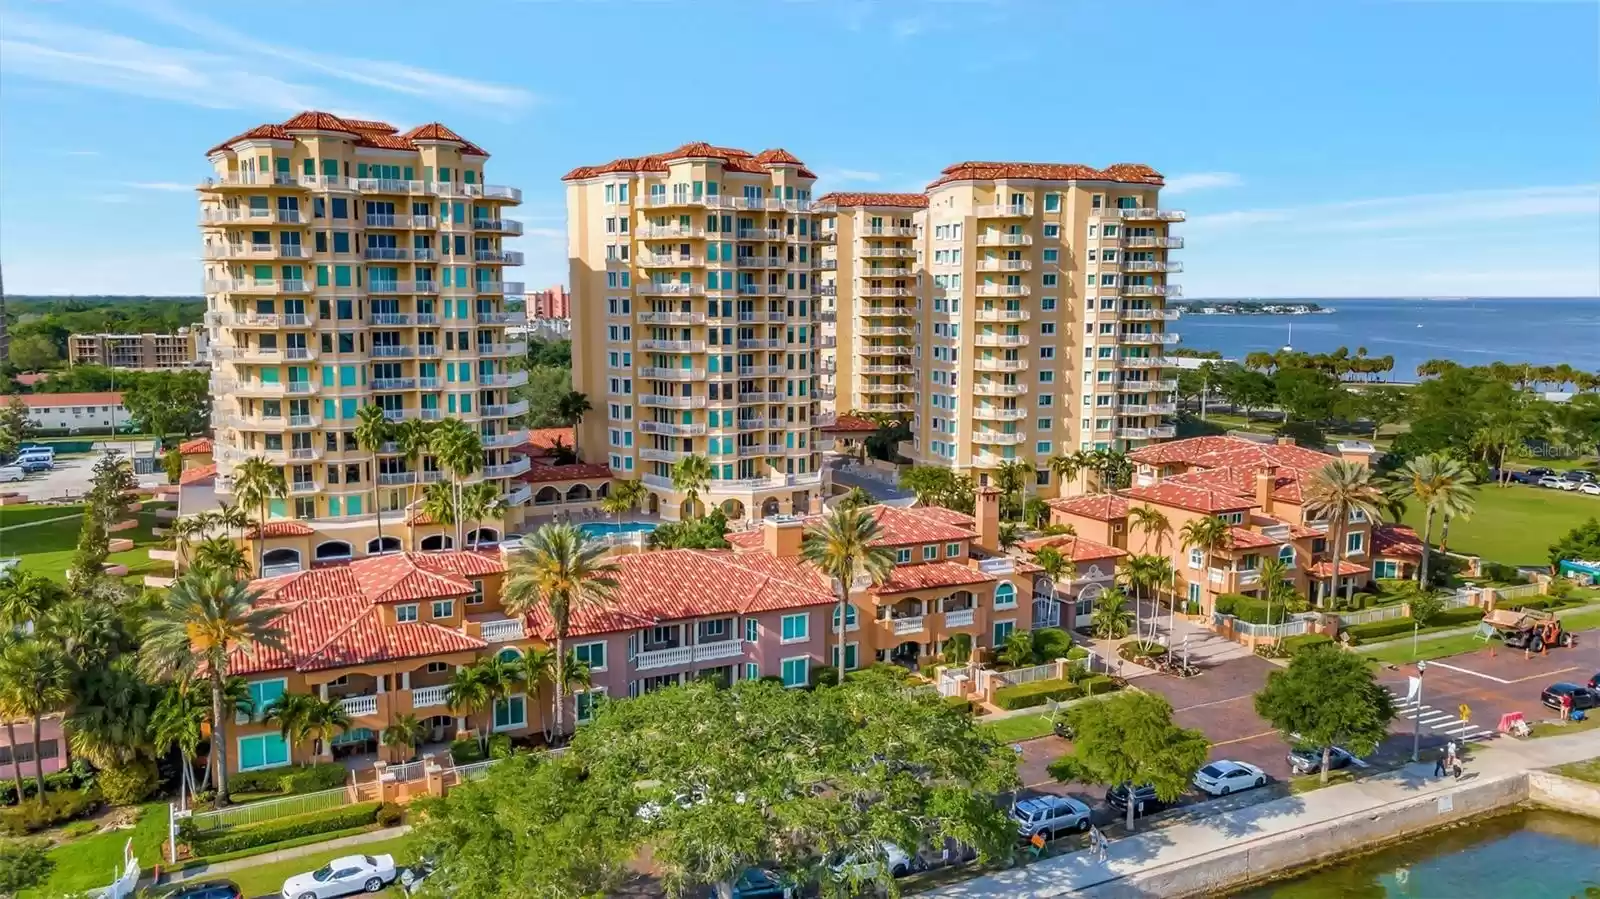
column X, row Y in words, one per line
column 1326, row 149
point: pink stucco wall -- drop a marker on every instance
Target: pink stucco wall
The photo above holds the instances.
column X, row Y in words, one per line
column 54, row 758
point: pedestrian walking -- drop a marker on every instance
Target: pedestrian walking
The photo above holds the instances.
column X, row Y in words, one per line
column 1450, row 750
column 1438, row 764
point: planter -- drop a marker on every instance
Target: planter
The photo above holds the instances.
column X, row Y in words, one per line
column 119, row 545
column 125, row 525
column 116, row 570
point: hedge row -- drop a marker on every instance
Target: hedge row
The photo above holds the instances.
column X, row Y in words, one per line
column 1302, row 642
column 1373, row 630
column 253, row 836
column 59, row 807
column 60, row 780
column 290, row 781
column 1250, row 609
column 1027, row 696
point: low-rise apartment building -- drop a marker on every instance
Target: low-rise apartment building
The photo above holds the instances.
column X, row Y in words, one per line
column 145, row 352
column 75, row 412
column 17, row 758
column 385, row 635
column 1259, row 489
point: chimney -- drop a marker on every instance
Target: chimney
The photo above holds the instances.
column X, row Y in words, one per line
column 1266, row 481
column 1357, row 451
column 1286, row 441
column 781, row 537
column 988, row 509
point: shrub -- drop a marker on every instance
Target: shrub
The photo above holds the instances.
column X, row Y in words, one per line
column 772, row 679
column 128, row 784
column 60, row 780
column 60, row 807
column 23, row 864
column 270, row 781
column 1302, row 642
column 1026, row 696
column 1076, row 653
column 1501, row 572
column 959, row 702
column 1250, row 609
column 239, row 838
column 500, row 746
column 315, row 778
column 79, row 829
column 1460, row 615
column 1135, row 652
column 465, row 752
column 1098, row 684
column 1050, row 644
column 390, row 814
column 1373, row 630
column 824, row 676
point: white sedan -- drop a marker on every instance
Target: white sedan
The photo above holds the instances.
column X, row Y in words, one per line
column 1224, row 777
column 1589, row 487
column 342, row 877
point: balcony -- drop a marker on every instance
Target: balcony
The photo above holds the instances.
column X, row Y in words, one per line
column 1160, row 433
column 502, row 226
column 668, row 260
column 675, row 346
column 503, row 630
column 359, row 706
column 250, row 217
column 748, row 370
column 909, row 625
column 501, row 257
column 509, row 379
column 1001, row 315
column 1140, row 265
column 254, row 286
column 1143, row 361
column 826, row 265
column 251, row 179
column 999, row 364
column 520, row 407
column 502, row 349
column 1001, row 340
column 391, row 254
column 391, row 318
column 303, row 488
column 653, row 232
column 1001, row 290
column 998, row 438
column 994, row 414
column 396, row 478
column 1150, row 315
column 500, row 288
column 1156, row 386
column 1138, row 214
column 885, row 350
column 651, row 454
column 993, row 239
column 671, row 429
column 1147, row 409
column 887, row 407
column 394, row 383
column 672, row 402
column 895, row 272
column 267, row 320
column 304, row 421
column 263, row 251
column 985, row 388
column 1140, row 337
column 1156, row 243
column 884, row 331
column 1151, row 290
column 520, row 496
column 430, row 697
column 760, row 343
column 899, row 369
column 392, row 351
column 888, row 252
column 1005, row 265
column 672, row 318
column 958, row 618
column 1003, row 210
column 665, row 289
column 688, row 655
column 673, row 374
column 507, row 470
column 506, row 440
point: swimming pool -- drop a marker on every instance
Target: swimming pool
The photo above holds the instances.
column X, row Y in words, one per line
column 608, row 528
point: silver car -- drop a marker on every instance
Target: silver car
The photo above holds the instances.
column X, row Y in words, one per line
column 342, row 877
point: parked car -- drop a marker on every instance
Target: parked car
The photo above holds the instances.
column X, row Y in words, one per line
column 1145, row 800
column 37, row 463
column 1567, row 484
column 1531, row 476
column 211, row 889
column 1582, row 697
column 1549, row 480
column 12, row 473
column 1589, row 487
column 1594, row 682
column 893, row 857
column 1306, row 759
column 1578, row 474
column 755, row 883
column 1050, row 817
column 342, row 877
column 1223, row 777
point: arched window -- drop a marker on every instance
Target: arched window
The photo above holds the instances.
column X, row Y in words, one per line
column 280, row 561
column 333, row 549
column 1286, row 555
column 387, row 545
column 604, row 491
column 578, row 493
column 1005, row 595
column 482, row 535
column 546, row 496
column 437, row 542
column 508, row 654
column 849, row 615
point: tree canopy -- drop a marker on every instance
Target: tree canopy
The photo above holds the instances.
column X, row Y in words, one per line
column 1327, row 697
column 1129, row 738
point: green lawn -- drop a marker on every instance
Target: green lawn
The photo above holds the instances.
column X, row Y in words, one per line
column 1589, row 771
column 1582, row 621
column 10, row 515
column 48, row 548
column 94, row 861
column 1437, row 648
column 1557, row 728
column 1515, row 525
column 267, row 880
column 1018, row 728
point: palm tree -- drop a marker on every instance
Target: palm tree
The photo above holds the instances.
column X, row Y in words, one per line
column 1209, row 534
column 1012, row 479
column 1018, row 651
column 500, row 677
column 1444, row 487
column 559, row 570
column 256, row 482
column 841, row 545
column 292, row 713
column 479, row 503
column 468, row 694
column 1276, row 585
column 405, row 733
column 1051, row 562
column 1338, row 491
column 1150, row 520
column 439, row 505
column 459, row 450
column 221, row 554
column 111, row 710
column 1111, row 619
column 856, row 498
column 539, row 665
column 1146, row 573
column 323, row 717
column 205, row 618
column 624, row 497
column 1066, row 467
column 413, row 437
column 179, row 723
column 1010, row 535
column 179, row 535
column 231, row 518
column 10, row 705
column 26, row 597
column 571, row 407
column 372, row 431
column 34, row 676
column 690, row 476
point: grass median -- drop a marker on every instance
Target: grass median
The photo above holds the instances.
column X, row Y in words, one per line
column 1436, row 648
column 1018, row 728
column 267, row 879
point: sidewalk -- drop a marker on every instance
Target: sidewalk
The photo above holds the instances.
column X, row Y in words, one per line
column 1149, row 851
column 267, row 858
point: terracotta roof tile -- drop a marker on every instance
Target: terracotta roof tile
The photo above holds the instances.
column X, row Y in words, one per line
column 433, row 131
column 56, row 400
column 1244, row 538
column 196, row 447
column 1323, row 569
column 1222, row 451
column 1396, row 540
column 1100, row 507
column 1077, row 549
column 260, row 132
column 577, row 471
column 283, row 529
column 902, row 201
column 848, row 423
column 318, row 121
column 544, row 440
column 731, row 158
column 1133, row 173
column 194, row 477
column 381, row 135
column 776, row 156
column 930, row 576
column 896, row 527
column 1183, row 496
column 363, row 125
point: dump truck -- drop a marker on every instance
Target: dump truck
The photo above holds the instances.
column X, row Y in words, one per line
column 1529, row 629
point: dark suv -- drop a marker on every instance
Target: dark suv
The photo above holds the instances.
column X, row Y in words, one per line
column 211, row 889
column 1145, row 800
column 1582, row 697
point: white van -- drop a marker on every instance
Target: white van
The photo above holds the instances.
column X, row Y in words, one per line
column 11, row 473
column 37, row 452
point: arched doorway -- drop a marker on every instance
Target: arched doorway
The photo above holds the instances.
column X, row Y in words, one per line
column 906, row 654
column 1083, row 609
column 770, row 507
column 384, row 545
column 280, row 561
column 653, row 505
column 579, row 493
column 733, row 509
column 435, row 542
column 332, row 551
column 1046, row 608
column 482, row 536
column 690, row 509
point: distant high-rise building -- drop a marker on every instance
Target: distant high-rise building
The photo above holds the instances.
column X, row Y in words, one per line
column 552, row 302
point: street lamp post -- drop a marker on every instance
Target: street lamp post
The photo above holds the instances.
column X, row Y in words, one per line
column 1416, row 732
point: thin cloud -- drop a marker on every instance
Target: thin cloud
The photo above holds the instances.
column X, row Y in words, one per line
column 1182, row 184
column 172, row 186
column 907, row 28
column 83, row 153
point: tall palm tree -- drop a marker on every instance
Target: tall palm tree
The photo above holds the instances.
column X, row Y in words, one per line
column 1111, row 619
column 1444, row 487
column 292, row 713
column 559, row 570
column 372, row 431
column 205, row 618
column 1065, row 467
column 1337, row 491
column 500, row 677
column 406, row 732
column 479, row 503
column 1151, row 521
column 10, row 704
column 439, row 506
column 256, row 482
column 690, row 476
column 1276, row 585
column 1012, row 479
column 539, row 665
column 1146, row 573
column 179, row 723
column 459, row 450
column 468, row 695
column 26, row 597
column 34, row 676
column 624, row 497
column 323, row 718
column 109, row 722
column 221, row 554
column 232, row 518
column 843, row 544
column 1209, row 534
column 571, row 407
column 180, row 534
column 855, row 498
column 413, row 437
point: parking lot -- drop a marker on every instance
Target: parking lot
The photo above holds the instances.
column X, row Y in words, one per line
column 71, row 477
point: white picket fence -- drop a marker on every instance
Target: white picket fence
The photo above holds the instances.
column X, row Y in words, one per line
column 1460, row 598
column 1018, row 676
column 269, row 809
column 126, row 882
column 1291, row 628
column 1367, row 616
column 1520, row 591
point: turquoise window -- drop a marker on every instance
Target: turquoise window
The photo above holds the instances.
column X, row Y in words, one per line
column 277, row 508
column 263, row 751
column 1002, row 631
column 333, row 507
column 330, row 410
column 511, row 713
column 264, row 693
column 584, row 703
column 341, row 276
column 1005, row 596
column 849, row 656
column 752, row 629
column 796, row 627
column 347, row 375
column 347, row 408
column 352, row 506
column 849, row 616
column 591, row 654
column 796, row 672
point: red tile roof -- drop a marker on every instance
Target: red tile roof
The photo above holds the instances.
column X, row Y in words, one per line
column 196, row 447
column 1396, row 540
column 1323, row 569
column 55, row 400
column 28, row 379
column 731, row 158
column 896, row 527
column 930, row 576
column 367, row 134
column 1132, row 173
column 899, row 201
column 542, row 441
column 332, row 615
column 848, row 423
column 1184, row 496
column 1101, row 507
column 194, row 477
column 283, row 529
column 578, row 471
column 1242, row 481
column 1075, row 548
column 1223, row 451
column 1244, row 538
column 666, row 585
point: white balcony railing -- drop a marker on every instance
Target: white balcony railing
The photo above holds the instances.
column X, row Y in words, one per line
column 503, row 630
column 688, row 655
column 429, row 697
column 958, row 618
column 908, row 625
column 357, row 706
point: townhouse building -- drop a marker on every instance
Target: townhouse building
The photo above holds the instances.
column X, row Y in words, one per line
column 1259, row 489
column 146, row 352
